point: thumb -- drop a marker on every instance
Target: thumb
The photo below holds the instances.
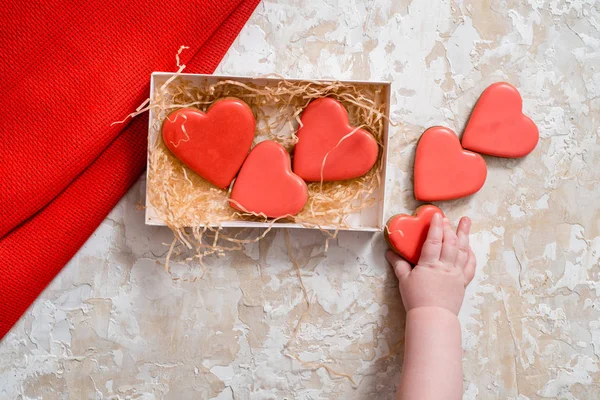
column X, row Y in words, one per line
column 401, row 267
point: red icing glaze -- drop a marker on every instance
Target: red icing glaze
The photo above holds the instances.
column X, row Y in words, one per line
column 443, row 169
column 324, row 124
column 266, row 183
column 406, row 233
column 212, row 144
column 497, row 125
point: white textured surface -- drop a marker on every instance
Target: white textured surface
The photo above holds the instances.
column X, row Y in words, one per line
column 114, row 325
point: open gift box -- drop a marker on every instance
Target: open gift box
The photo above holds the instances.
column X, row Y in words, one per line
column 179, row 198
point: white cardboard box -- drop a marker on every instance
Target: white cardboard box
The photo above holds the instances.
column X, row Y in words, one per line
column 367, row 220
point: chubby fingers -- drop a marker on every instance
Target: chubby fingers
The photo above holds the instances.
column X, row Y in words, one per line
column 470, row 267
column 449, row 244
column 462, row 235
column 401, row 267
column 432, row 247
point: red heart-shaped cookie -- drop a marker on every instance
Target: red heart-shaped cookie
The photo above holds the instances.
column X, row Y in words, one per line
column 212, row 144
column 498, row 126
column 406, row 233
column 266, row 185
column 325, row 131
column 443, row 169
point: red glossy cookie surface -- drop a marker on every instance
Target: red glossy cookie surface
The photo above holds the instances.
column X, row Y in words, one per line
column 266, row 185
column 212, row 144
column 324, row 124
column 443, row 169
column 498, row 126
column 406, row 233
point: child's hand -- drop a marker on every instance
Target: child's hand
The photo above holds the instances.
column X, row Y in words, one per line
column 446, row 267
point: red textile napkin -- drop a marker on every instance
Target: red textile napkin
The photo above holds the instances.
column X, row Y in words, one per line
column 68, row 71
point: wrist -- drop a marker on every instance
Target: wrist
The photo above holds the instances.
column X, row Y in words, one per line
column 433, row 312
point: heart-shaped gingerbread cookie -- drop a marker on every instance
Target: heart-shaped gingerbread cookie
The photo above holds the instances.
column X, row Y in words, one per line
column 212, row 144
column 266, row 185
column 406, row 234
column 328, row 143
column 443, row 169
column 498, row 126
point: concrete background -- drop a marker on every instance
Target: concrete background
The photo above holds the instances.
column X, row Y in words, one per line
column 114, row 325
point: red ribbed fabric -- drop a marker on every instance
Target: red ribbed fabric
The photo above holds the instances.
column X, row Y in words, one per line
column 68, row 71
